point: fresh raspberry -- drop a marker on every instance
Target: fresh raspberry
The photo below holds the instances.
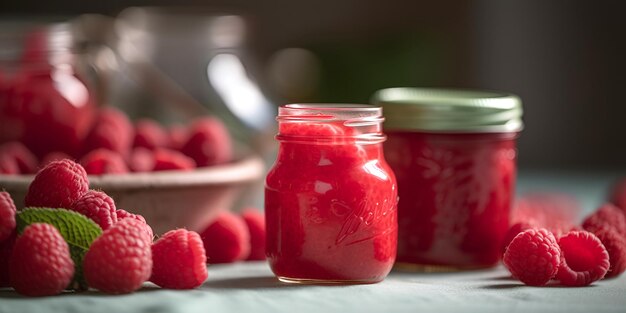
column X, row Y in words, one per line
column 615, row 245
column 141, row 160
column 533, row 256
column 179, row 260
column 120, row 260
column 166, row 160
column 6, row 247
column 7, row 215
column 40, row 263
column 177, row 136
column 122, row 214
column 208, row 143
column 618, row 194
column 607, row 216
column 583, row 259
column 112, row 130
column 104, row 161
column 513, row 231
column 24, row 158
column 57, row 185
column 8, row 165
column 226, row 239
column 54, row 156
column 150, row 135
column 255, row 220
column 97, row 206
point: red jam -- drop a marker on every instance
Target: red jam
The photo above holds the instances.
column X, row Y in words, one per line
column 330, row 199
column 455, row 195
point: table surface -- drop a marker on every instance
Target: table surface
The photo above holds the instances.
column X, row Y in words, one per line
column 251, row 287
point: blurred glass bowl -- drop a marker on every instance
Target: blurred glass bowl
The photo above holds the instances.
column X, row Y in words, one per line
column 168, row 199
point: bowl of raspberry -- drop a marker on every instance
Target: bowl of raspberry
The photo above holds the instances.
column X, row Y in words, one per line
column 177, row 176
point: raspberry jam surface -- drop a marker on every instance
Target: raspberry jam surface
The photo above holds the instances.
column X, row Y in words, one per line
column 455, row 195
column 330, row 204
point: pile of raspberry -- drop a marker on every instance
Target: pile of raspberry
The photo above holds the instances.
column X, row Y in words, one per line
column 37, row 262
column 546, row 244
column 114, row 145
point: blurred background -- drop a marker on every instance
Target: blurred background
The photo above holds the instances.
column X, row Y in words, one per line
column 565, row 59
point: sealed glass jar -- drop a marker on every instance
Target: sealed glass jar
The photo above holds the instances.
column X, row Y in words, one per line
column 44, row 103
column 330, row 198
column 454, row 155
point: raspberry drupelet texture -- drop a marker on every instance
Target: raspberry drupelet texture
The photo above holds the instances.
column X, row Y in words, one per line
column 583, row 259
column 120, row 260
column 57, row 185
column 533, row 257
column 53, row 156
column 615, row 245
column 226, row 239
column 179, row 260
column 40, row 263
column 97, row 206
column 104, row 161
column 7, row 215
column 255, row 220
column 607, row 216
column 513, row 231
column 123, row 214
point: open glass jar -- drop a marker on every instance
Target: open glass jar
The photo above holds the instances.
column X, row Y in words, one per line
column 330, row 198
column 454, row 155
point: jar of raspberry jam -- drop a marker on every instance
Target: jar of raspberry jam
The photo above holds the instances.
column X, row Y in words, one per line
column 44, row 102
column 454, row 155
column 330, row 198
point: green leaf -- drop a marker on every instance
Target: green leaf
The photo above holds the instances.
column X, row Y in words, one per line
column 77, row 230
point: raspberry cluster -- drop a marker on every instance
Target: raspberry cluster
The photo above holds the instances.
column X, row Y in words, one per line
column 536, row 253
column 38, row 262
column 114, row 145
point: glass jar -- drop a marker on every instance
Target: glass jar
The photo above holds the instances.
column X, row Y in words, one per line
column 43, row 101
column 330, row 198
column 454, row 154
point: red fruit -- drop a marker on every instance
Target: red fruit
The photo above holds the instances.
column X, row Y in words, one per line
column 513, row 231
column 255, row 220
column 149, row 135
column 8, row 165
column 533, row 256
column 615, row 245
column 6, row 247
column 607, row 216
column 122, row 214
column 177, row 135
column 97, row 206
column 179, row 260
column 208, row 143
column 120, row 260
column 166, row 160
column 57, row 185
column 25, row 160
column 40, row 263
column 112, row 130
column 7, row 215
column 141, row 160
column 103, row 161
column 618, row 194
column 583, row 259
column 54, row 156
column 226, row 239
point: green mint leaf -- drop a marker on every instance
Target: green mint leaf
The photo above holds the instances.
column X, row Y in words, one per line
column 77, row 230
